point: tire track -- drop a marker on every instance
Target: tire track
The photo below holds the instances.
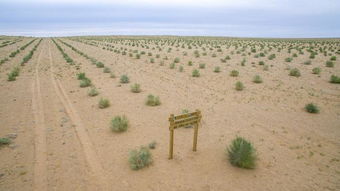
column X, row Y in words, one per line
column 83, row 137
column 40, row 162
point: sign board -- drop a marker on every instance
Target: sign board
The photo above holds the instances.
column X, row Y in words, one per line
column 184, row 120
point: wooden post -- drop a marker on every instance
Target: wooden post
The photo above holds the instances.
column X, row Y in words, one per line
column 194, row 147
column 171, row 144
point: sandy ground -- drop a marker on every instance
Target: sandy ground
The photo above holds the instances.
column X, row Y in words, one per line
column 63, row 140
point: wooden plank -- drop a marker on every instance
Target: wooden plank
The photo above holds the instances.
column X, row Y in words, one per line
column 186, row 115
column 186, row 119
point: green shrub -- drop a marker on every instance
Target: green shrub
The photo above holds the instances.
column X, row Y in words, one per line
column 330, row 64
column 195, row 73
column 139, row 159
column 86, row 82
column 261, row 63
column 311, row 108
column 93, row 92
column 11, row 77
column 288, row 59
column 81, row 76
column 100, row 65
column 190, row 63
column 180, row 69
column 124, row 79
column 242, row 153
column 234, row 73
column 177, row 60
column 239, row 86
column 316, row 70
column 335, row 79
column 152, row 100
column 172, row 66
column 201, row 66
column 135, row 88
column 103, row 103
column 4, row 141
column 217, row 69
column 333, row 58
column 112, row 75
column 308, row 62
column 119, row 124
column 294, row 72
column 15, row 71
column 257, row 79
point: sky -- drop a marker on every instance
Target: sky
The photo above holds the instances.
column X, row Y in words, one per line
column 231, row 18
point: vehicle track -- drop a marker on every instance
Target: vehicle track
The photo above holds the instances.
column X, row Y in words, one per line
column 40, row 162
column 84, row 139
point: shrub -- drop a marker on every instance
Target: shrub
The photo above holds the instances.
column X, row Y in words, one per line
column 119, row 124
column 139, row 159
column 93, row 92
column 195, row 73
column 239, row 86
column 330, row 64
column 152, row 100
column 311, row 108
column 124, row 79
column 288, row 59
column 135, row 88
column 172, row 66
column 271, row 57
column 333, row 58
column 261, row 63
column 81, row 76
column 152, row 145
column 190, row 63
column 201, row 66
column 11, row 77
column 241, row 153
column 234, row 73
column 176, row 60
column 335, row 79
column 100, row 65
column 103, row 103
column 4, row 141
column 257, row 79
column 316, row 70
column 15, row 71
column 86, row 82
column 294, row 72
column 217, row 69
column 308, row 62
column 106, row 70
column 180, row 69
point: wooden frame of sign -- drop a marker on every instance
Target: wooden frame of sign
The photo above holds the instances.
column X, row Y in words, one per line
column 184, row 120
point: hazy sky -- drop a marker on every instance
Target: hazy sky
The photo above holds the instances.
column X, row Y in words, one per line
column 238, row 18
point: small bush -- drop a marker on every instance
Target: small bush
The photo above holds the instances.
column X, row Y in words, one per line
column 294, row 72
column 106, row 70
column 124, row 79
column 103, row 103
column 316, row 70
column 190, row 63
column 195, row 73
column 234, row 73
column 242, row 153
column 308, row 62
column 288, row 59
column 311, row 108
column 152, row 100
column 119, row 124
column 81, row 76
column 135, row 88
column 172, row 65
column 330, row 64
column 139, row 159
column 152, row 145
column 180, row 69
column 177, row 60
column 93, row 92
column 217, row 69
column 4, row 141
column 112, row 75
column 85, row 83
column 239, row 86
column 333, row 58
column 201, row 66
column 11, row 76
column 100, row 65
column 335, row 79
column 257, row 79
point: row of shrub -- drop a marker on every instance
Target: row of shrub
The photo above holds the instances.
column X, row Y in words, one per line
column 30, row 54
column 66, row 57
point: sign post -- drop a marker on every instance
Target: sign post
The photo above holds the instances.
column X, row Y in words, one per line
column 184, row 120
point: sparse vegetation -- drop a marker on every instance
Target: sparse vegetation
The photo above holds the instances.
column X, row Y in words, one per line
column 195, row 73
column 124, row 79
column 257, row 79
column 239, row 86
column 140, row 158
column 119, row 124
column 135, row 88
column 295, row 72
column 152, row 100
column 103, row 103
column 335, row 79
column 311, row 108
column 234, row 73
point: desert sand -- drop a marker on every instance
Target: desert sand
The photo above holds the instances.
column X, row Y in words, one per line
column 61, row 140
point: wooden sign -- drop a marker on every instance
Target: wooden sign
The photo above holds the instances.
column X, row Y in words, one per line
column 184, row 120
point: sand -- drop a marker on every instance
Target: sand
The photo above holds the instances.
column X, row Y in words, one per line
column 64, row 141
